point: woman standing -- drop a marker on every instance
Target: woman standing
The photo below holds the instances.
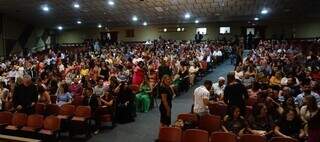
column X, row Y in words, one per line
column 166, row 101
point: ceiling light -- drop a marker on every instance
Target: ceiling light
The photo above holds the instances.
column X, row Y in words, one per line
column 165, row 29
column 182, row 29
column 60, row 28
column 187, row 16
column 76, row 5
column 197, row 21
column 264, row 11
column 45, row 8
column 145, row 23
column 135, row 18
column 99, row 26
column 256, row 18
column 178, row 29
column 110, row 2
column 79, row 22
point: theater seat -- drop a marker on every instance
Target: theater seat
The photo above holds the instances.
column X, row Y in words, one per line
column 66, row 111
column 170, row 134
column 218, row 109
column 281, row 139
column 223, row 137
column 189, row 117
column 18, row 120
column 210, row 123
column 80, row 121
column 5, row 118
column 52, row 109
column 34, row 123
column 51, row 126
column 40, row 108
column 195, row 135
column 252, row 138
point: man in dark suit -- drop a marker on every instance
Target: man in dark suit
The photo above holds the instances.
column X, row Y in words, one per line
column 198, row 37
column 25, row 96
column 93, row 101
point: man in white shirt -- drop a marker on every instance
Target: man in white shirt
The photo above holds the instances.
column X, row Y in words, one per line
column 201, row 98
column 218, row 89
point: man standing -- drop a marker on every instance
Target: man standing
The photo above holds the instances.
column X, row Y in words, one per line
column 198, row 37
column 25, row 96
column 93, row 101
column 201, row 98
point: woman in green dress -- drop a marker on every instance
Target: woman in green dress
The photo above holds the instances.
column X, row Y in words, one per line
column 142, row 98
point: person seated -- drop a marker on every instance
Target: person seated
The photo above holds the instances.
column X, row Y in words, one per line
column 44, row 96
column 234, row 122
column 309, row 110
column 99, row 88
column 94, row 102
column 142, row 98
column 260, row 122
column 192, row 73
column 63, row 95
column 125, row 110
column 289, row 125
column 248, row 80
column 275, row 80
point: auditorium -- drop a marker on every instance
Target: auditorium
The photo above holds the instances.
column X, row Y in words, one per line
column 159, row 71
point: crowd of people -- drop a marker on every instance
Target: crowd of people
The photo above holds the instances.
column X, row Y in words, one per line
column 120, row 79
column 272, row 92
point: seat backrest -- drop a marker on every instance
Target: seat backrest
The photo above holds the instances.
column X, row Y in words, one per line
column 51, row 123
column 40, row 108
column 83, row 111
column 170, row 134
column 5, row 117
column 53, row 99
column 77, row 101
column 52, row 109
column 252, row 138
column 35, row 121
column 19, row 119
column 210, row 123
column 188, row 117
column 195, row 135
column 281, row 139
column 223, row 137
column 67, row 110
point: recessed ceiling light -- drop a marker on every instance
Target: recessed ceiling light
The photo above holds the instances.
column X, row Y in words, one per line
column 145, row 23
column 256, row 18
column 165, row 29
column 178, row 29
column 76, row 5
column 197, row 21
column 99, row 26
column 79, row 22
column 135, row 18
column 264, row 11
column 60, row 28
column 110, row 2
column 187, row 16
column 45, row 8
column 182, row 29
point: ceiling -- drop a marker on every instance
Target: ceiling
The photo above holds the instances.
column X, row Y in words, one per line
column 92, row 12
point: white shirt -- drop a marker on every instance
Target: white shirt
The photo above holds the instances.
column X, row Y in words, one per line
column 217, row 89
column 199, row 94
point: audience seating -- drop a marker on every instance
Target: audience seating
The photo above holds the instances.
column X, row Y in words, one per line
column 170, row 134
column 195, row 135
column 210, row 123
column 223, row 137
column 80, row 121
column 40, row 108
column 219, row 109
column 252, row 138
column 51, row 126
column 18, row 120
column 34, row 123
column 66, row 111
column 5, row 118
column 281, row 139
column 53, row 99
column 52, row 109
column 189, row 117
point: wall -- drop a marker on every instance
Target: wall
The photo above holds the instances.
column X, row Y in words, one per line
column 285, row 28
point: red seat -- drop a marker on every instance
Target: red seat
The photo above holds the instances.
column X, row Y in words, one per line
column 170, row 134
column 5, row 118
column 66, row 111
column 281, row 139
column 195, row 135
column 51, row 125
column 223, row 137
column 18, row 120
column 210, row 123
column 188, row 117
column 252, row 138
column 52, row 109
column 34, row 123
column 80, row 121
column 40, row 108
column 218, row 109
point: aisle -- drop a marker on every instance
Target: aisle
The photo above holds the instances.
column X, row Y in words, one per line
column 146, row 126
